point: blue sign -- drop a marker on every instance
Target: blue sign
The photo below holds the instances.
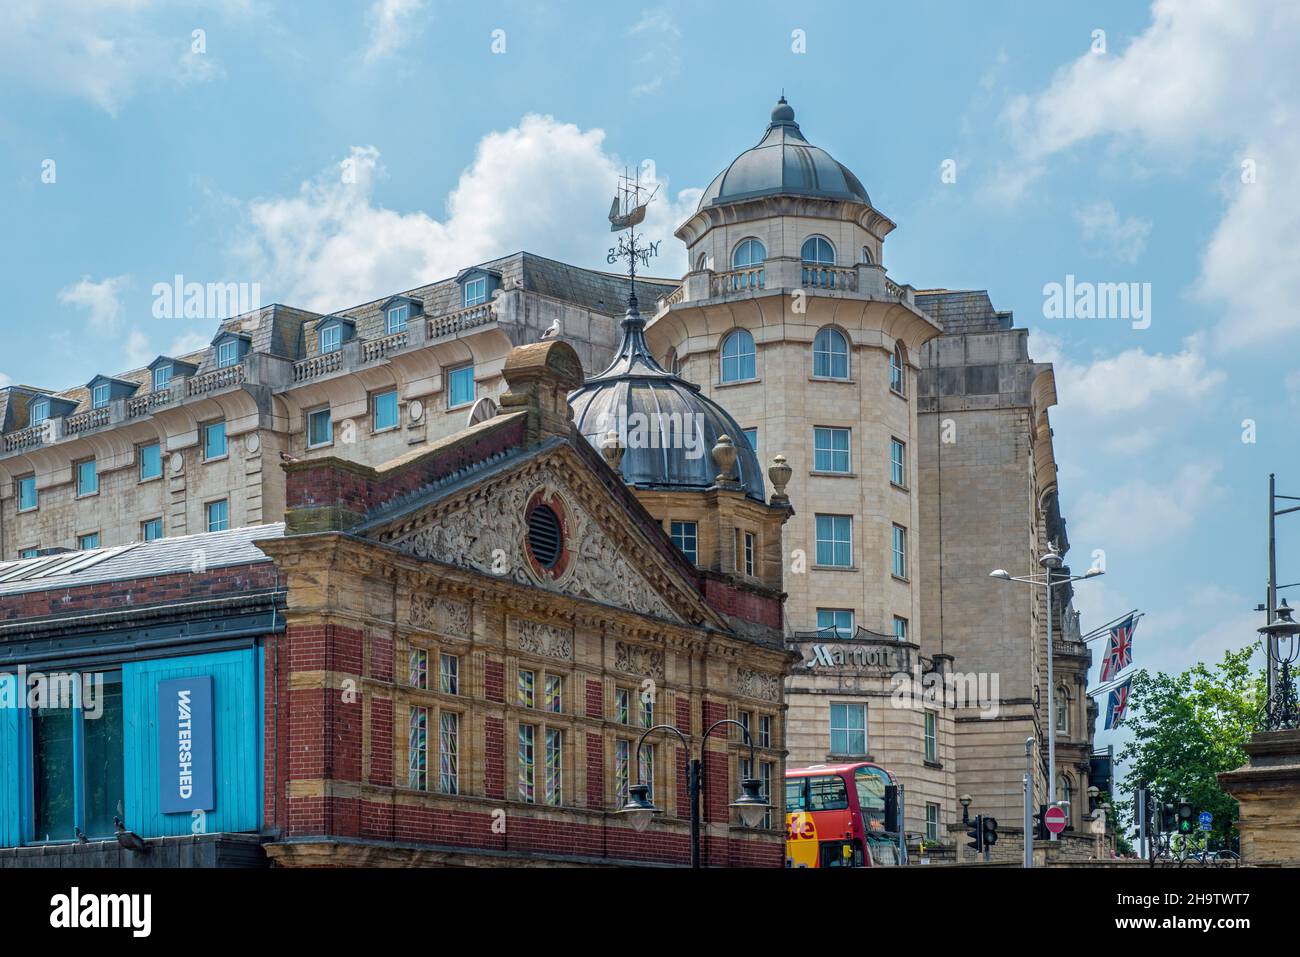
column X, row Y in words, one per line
column 185, row 749
column 1207, row 820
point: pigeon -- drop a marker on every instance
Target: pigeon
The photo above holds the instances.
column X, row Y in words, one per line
column 128, row 839
column 81, row 835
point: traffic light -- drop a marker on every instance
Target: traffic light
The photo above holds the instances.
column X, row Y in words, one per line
column 1185, row 813
column 1168, row 815
column 1041, row 832
column 892, row 824
column 990, row 830
column 975, row 831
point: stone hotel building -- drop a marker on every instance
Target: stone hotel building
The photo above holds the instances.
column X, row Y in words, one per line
column 473, row 593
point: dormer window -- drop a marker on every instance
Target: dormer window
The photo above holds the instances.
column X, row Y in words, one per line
column 475, row 291
column 227, row 353
column 99, row 396
column 39, row 411
column 396, row 316
column 331, row 338
column 162, row 377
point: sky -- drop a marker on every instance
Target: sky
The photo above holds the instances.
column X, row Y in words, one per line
column 332, row 152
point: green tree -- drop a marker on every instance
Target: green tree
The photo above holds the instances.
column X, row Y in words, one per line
column 1186, row 729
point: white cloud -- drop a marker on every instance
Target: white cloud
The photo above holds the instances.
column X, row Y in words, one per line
column 1109, row 235
column 1141, row 515
column 1216, row 74
column 98, row 50
column 393, row 24
column 101, row 300
column 1132, row 381
column 543, row 186
column 660, row 38
column 5, row 380
column 1251, row 268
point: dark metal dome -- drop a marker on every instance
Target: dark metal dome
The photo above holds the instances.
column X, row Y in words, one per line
column 784, row 162
column 635, row 383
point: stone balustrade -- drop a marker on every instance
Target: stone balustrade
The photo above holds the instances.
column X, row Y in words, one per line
column 85, row 421
column 373, row 350
column 317, row 366
column 455, row 322
column 215, row 380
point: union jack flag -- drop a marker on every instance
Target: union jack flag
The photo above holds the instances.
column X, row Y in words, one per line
column 1119, row 652
column 1117, row 706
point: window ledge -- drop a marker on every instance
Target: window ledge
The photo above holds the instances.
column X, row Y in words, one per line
column 937, row 765
column 391, row 428
column 832, row 378
column 901, row 488
column 823, row 474
column 217, row 458
column 30, row 508
column 900, row 578
column 82, row 495
column 151, row 478
column 731, row 382
column 835, row 568
column 901, row 395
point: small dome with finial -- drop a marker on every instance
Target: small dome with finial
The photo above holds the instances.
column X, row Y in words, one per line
column 784, row 163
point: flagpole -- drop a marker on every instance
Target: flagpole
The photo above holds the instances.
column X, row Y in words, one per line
column 1104, row 629
column 1109, row 686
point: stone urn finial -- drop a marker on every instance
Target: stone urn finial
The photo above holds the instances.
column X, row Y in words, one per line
column 780, row 473
column 724, row 457
column 612, row 450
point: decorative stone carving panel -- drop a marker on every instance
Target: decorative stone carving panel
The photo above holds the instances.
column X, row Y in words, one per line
column 539, row 638
column 637, row 660
column 444, row 615
column 758, row 684
column 488, row 532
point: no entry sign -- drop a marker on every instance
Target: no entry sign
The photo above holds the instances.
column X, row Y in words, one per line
column 1054, row 819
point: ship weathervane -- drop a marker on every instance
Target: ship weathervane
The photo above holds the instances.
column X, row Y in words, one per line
column 627, row 212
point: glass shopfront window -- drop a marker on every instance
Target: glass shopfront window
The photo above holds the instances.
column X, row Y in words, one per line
column 77, row 757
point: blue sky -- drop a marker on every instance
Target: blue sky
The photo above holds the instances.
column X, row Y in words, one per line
column 1122, row 164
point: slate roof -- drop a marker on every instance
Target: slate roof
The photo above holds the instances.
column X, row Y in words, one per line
column 164, row 556
column 962, row 310
column 289, row 333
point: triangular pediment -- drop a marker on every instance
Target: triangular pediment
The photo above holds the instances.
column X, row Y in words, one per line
column 606, row 554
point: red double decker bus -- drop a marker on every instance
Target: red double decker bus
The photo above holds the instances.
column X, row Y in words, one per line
column 835, row 816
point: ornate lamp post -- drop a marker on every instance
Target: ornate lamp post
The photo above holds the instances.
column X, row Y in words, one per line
column 1282, row 708
column 1050, row 562
column 640, row 809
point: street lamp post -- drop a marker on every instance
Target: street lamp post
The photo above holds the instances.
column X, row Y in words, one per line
column 1282, row 709
column 1050, row 561
column 640, row 809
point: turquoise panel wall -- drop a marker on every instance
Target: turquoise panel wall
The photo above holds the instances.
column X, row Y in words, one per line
column 11, row 763
column 237, row 707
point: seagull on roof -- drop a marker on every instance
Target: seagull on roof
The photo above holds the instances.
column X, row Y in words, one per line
column 553, row 330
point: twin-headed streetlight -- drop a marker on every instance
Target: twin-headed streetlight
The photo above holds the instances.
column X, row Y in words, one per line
column 751, row 804
column 1050, row 561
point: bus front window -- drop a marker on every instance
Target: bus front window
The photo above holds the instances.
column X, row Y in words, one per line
column 871, row 796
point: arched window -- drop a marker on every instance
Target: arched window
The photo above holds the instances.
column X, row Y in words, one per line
column 672, row 363
column 747, row 259
column 1062, row 710
column 897, row 363
column 1065, row 793
column 738, row 357
column 830, row 354
column 817, row 254
column 703, row 261
column 866, row 255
